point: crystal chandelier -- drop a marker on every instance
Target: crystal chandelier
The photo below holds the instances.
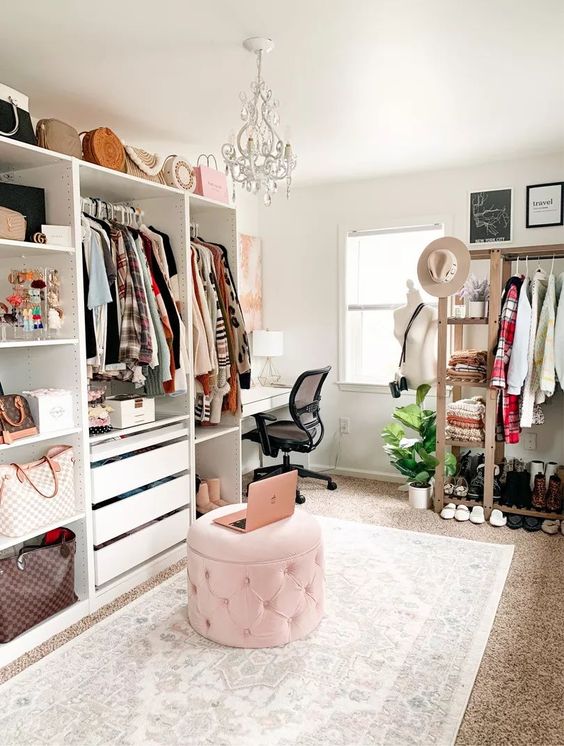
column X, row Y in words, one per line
column 257, row 157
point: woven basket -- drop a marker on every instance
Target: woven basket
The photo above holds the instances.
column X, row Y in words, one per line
column 144, row 165
column 104, row 148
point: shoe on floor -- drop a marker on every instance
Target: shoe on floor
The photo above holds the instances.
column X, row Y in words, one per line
column 497, row 518
column 550, row 527
column 448, row 511
column 532, row 524
column 477, row 515
column 515, row 521
column 462, row 513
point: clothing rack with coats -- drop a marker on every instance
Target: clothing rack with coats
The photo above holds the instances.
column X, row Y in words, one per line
column 525, row 352
column 134, row 326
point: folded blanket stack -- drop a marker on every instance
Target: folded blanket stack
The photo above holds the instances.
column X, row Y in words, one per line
column 468, row 365
column 465, row 420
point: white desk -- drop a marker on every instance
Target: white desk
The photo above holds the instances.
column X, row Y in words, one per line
column 263, row 399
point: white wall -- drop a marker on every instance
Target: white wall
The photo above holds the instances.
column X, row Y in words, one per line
column 300, row 244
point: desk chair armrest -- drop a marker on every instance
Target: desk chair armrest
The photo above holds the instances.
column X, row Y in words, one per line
column 261, row 419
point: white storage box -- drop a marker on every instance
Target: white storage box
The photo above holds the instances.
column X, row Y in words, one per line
column 52, row 409
column 130, row 410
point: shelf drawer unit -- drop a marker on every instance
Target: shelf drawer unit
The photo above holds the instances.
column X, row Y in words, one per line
column 124, row 515
column 124, row 554
column 117, row 477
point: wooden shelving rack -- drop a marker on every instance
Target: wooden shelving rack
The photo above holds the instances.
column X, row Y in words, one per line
column 451, row 330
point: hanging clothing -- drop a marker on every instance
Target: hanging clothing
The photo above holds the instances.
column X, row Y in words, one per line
column 507, row 426
column 517, row 369
column 531, row 386
column 559, row 331
column 544, row 344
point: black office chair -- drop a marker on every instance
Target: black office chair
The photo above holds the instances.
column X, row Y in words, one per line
column 302, row 434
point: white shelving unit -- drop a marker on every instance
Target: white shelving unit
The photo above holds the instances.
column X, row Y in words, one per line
column 120, row 542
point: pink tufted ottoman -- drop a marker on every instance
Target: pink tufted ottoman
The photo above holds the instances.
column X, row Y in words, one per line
column 259, row 589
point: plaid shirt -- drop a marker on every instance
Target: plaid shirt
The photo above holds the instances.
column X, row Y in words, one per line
column 129, row 343
column 146, row 344
column 507, row 427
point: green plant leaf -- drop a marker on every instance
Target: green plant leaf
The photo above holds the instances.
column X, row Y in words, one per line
column 410, row 416
column 393, row 433
column 421, row 393
column 422, row 476
column 450, row 464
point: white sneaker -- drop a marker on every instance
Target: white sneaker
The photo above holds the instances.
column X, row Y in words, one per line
column 497, row 518
column 448, row 511
column 550, row 526
column 477, row 514
column 462, row 513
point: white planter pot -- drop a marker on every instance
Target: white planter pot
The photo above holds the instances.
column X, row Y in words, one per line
column 477, row 308
column 420, row 498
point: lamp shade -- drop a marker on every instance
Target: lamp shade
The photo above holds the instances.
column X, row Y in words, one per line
column 267, row 343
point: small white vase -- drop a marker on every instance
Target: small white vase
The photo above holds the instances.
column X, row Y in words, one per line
column 420, row 498
column 477, row 308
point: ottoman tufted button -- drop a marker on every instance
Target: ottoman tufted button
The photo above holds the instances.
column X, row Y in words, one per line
column 208, row 623
column 194, row 589
column 266, row 604
column 286, row 571
column 225, row 601
column 247, row 581
column 207, row 575
column 290, row 620
column 247, row 631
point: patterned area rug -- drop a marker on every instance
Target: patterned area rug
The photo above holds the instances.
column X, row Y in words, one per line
column 393, row 662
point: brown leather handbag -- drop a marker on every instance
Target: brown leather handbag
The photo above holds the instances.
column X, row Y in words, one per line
column 37, row 583
column 104, row 148
column 16, row 420
column 53, row 134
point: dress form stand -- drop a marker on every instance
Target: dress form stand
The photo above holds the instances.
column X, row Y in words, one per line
column 420, row 365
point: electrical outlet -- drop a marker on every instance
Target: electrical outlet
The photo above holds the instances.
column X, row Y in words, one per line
column 345, row 425
column 529, row 441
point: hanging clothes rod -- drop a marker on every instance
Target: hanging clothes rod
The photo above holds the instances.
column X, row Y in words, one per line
column 511, row 253
column 121, row 213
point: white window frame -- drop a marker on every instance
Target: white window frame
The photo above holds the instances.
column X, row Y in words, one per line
column 344, row 232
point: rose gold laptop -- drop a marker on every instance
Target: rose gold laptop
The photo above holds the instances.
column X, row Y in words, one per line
column 269, row 500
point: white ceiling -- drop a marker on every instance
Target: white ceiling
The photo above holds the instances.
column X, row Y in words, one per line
column 367, row 86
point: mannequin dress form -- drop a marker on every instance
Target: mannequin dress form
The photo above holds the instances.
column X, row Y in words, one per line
column 420, row 365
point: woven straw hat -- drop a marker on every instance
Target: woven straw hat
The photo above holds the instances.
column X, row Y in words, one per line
column 443, row 266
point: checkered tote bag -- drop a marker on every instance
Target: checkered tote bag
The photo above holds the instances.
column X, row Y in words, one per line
column 33, row 495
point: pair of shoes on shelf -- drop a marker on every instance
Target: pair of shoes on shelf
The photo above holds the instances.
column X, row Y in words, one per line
column 529, row 523
column 462, row 513
column 208, row 496
column 547, row 498
column 497, row 518
column 476, row 491
column 457, row 486
column 550, row 526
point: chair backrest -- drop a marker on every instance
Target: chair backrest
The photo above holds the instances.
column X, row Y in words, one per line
column 304, row 403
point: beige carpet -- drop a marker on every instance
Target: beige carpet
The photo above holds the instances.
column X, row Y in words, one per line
column 518, row 697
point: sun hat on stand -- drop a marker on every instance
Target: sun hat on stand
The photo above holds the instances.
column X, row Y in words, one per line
column 443, row 266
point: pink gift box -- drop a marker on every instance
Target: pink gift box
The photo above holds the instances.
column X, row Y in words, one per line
column 211, row 183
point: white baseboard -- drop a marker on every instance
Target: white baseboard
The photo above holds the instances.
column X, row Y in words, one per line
column 379, row 476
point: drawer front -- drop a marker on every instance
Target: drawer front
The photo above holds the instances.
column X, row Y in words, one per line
column 129, row 473
column 125, row 515
column 141, row 546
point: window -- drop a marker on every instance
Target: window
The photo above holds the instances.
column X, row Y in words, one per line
column 377, row 266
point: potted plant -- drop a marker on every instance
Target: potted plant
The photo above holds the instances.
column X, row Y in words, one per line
column 477, row 293
column 415, row 458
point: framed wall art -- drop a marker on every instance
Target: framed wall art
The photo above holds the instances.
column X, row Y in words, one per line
column 545, row 204
column 491, row 215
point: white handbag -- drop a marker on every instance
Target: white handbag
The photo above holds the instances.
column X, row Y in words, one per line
column 36, row 494
column 179, row 173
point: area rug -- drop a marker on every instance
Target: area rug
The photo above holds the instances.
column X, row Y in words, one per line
column 393, row 662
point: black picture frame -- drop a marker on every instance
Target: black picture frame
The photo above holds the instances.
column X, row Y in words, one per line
column 543, row 197
column 490, row 216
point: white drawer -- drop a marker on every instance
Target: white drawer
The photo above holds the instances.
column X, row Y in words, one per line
column 124, row 515
column 141, row 546
column 129, row 473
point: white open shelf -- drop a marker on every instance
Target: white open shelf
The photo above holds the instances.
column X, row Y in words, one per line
column 36, row 343
column 10, row 249
column 115, row 186
column 202, row 203
column 18, row 156
column 213, row 431
column 10, row 541
column 40, row 437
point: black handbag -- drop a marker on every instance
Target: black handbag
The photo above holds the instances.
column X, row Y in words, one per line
column 15, row 120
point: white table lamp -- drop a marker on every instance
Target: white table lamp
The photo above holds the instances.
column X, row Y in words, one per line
column 268, row 344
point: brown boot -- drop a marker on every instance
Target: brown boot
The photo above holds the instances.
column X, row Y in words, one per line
column 554, row 495
column 539, row 492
